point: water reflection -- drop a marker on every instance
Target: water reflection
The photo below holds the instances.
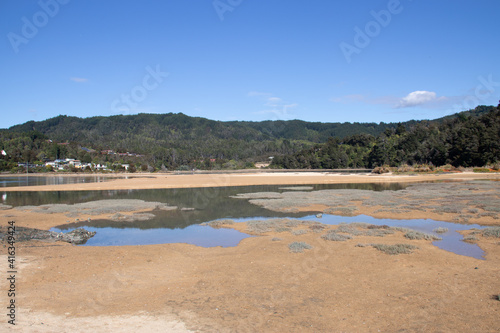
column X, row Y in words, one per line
column 193, row 197
column 206, row 204
column 34, row 180
column 198, row 205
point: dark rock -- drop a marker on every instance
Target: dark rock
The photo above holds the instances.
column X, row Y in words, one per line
column 77, row 236
column 373, row 226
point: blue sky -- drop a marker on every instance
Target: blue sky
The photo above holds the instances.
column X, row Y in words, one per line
column 323, row 60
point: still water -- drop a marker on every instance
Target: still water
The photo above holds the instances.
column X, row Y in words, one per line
column 29, row 180
column 209, row 204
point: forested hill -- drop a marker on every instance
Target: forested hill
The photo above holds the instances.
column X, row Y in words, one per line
column 467, row 140
column 137, row 132
column 175, row 140
column 178, row 127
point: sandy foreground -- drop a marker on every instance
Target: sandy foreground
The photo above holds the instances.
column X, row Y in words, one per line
column 257, row 286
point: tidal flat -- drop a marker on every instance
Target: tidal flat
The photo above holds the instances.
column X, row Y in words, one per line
column 298, row 272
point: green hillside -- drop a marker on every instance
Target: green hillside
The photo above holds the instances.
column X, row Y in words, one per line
column 176, row 140
column 468, row 139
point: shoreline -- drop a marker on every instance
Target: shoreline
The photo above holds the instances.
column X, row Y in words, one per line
column 139, row 181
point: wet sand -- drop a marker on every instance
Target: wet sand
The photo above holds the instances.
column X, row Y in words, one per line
column 257, row 286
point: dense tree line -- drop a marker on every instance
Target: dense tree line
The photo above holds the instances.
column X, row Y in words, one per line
column 468, row 139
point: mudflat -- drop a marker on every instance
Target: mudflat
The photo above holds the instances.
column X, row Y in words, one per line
column 261, row 285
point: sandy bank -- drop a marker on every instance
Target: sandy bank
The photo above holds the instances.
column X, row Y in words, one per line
column 159, row 181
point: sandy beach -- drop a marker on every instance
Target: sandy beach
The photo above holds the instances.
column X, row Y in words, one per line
column 259, row 285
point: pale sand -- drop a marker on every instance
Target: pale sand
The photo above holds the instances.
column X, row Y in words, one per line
column 49, row 323
column 258, row 286
column 159, row 181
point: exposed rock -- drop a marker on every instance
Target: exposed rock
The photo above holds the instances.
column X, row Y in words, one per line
column 111, row 206
column 133, row 217
column 77, row 236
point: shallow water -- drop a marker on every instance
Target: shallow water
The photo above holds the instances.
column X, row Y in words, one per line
column 203, row 236
column 126, row 233
column 209, row 204
column 34, row 180
column 451, row 240
column 175, row 226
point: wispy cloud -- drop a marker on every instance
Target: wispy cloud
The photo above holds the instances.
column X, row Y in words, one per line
column 281, row 111
column 258, row 94
column 274, row 100
column 274, row 105
column 78, row 79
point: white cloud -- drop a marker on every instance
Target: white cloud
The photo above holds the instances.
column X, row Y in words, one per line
column 425, row 99
column 78, row 79
column 417, row 98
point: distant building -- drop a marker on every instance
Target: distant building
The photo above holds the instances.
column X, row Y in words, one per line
column 76, row 163
column 100, row 167
column 60, row 164
column 29, row 165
